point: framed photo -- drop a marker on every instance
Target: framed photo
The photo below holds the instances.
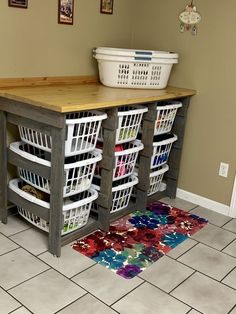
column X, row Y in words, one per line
column 106, row 6
column 18, row 3
column 65, row 11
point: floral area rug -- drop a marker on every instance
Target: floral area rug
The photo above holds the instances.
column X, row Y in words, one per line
column 137, row 240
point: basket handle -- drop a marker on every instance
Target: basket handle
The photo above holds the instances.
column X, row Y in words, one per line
column 149, row 53
column 143, row 58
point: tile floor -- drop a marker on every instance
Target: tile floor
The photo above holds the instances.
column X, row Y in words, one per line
column 198, row 276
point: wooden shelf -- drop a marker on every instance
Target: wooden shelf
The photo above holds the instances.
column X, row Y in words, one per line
column 81, row 97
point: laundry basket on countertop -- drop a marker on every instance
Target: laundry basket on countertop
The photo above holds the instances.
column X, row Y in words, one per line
column 128, row 68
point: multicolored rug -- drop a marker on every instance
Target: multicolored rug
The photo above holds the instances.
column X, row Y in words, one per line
column 137, row 240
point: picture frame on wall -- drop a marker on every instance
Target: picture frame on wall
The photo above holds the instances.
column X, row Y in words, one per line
column 66, row 12
column 18, row 3
column 106, row 6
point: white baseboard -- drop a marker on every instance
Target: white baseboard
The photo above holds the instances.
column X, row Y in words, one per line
column 232, row 210
column 204, row 202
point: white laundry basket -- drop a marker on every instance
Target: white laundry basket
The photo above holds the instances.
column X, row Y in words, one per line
column 128, row 68
column 76, row 209
column 82, row 133
column 129, row 120
column 79, row 169
column 156, row 178
column 125, row 160
column 166, row 113
column 121, row 193
column 161, row 150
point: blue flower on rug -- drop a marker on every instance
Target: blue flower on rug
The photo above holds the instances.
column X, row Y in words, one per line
column 173, row 239
column 144, row 221
column 110, row 259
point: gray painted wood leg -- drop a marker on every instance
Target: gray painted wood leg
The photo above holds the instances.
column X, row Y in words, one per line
column 56, row 196
column 176, row 152
column 3, row 167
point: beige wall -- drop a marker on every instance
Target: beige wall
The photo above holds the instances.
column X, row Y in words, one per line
column 34, row 44
column 207, row 64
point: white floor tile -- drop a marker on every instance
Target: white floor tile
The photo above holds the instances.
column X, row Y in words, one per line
column 150, row 300
column 182, row 248
column 178, row 203
column 70, row 262
column 166, row 273
column 206, row 295
column 208, row 261
column 47, row 292
column 21, row 310
column 213, row 217
column 14, row 224
column 231, row 249
column 230, row 280
column 33, row 240
column 18, row 266
column 214, row 236
column 6, row 245
column 105, row 284
column 231, row 226
column 87, row 305
column 7, row 303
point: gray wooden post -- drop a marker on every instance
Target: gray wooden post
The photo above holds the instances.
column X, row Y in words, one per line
column 3, row 167
column 56, row 189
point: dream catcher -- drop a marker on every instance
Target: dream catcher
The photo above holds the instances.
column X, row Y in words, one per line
column 189, row 19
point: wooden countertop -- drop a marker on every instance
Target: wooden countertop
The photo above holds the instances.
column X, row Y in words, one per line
column 81, row 97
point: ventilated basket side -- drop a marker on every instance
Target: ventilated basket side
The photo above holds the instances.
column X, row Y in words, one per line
column 82, row 130
column 156, row 180
column 165, row 117
column 121, row 193
column 161, row 152
column 82, row 133
column 79, row 175
column 79, row 170
column 134, row 71
column 125, row 160
column 35, row 138
column 129, row 120
column 77, row 209
column 75, row 213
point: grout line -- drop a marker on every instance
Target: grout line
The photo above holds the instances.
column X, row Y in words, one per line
column 10, row 251
column 195, row 244
column 228, row 245
column 228, row 273
column 170, row 295
column 64, row 307
column 20, row 308
column 227, row 222
column 233, row 308
column 8, row 290
column 83, row 270
column 193, row 208
column 13, row 234
column 196, row 270
column 212, row 247
column 128, row 292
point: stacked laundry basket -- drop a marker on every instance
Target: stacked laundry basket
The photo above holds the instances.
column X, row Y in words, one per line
column 79, row 166
column 128, row 68
column 125, row 154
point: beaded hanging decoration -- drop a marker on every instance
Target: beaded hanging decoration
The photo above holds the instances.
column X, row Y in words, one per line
column 189, row 18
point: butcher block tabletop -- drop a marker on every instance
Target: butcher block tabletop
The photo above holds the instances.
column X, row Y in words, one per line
column 73, row 97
